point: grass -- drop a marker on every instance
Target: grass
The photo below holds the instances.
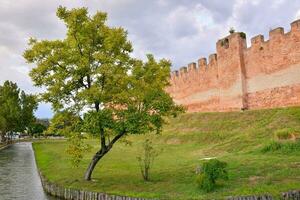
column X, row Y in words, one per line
column 283, row 147
column 2, row 145
column 237, row 138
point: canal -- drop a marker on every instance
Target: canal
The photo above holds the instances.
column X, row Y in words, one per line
column 18, row 174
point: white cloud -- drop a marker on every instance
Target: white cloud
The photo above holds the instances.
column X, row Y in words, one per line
column 179, row 30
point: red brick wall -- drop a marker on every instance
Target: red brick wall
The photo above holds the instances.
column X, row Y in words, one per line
column 267, row 74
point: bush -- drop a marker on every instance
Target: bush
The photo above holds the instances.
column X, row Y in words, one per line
column 273, row 146
column 284, row 134
column 146, row 158
column 286, row 147
column 211, row 171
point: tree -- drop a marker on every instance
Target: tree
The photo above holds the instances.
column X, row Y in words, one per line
column 91, row 73
column 28, row 104
column 16, row 109
column 2, row 128
column 64, row 123
column 36, row 129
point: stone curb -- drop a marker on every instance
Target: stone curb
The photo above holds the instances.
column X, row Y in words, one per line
column 75, row 194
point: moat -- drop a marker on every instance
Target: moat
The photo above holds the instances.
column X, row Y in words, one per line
column 19, row 178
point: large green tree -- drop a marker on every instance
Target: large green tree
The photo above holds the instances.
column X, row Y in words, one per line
column 16, row 109
column 91, row 72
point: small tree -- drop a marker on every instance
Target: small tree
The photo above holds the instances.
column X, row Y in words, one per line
column 91, row 73
column 211, row 171
column 146, row 158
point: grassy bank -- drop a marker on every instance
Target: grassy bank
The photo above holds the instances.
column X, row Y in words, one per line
column 2, row 146
column 237, row 138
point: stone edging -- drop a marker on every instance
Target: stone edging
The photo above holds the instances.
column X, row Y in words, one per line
column 4, row 147
column 75, row 194
column 290, row 195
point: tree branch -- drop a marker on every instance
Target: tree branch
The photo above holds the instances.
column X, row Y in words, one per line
column 78, row 44
column 116, row 138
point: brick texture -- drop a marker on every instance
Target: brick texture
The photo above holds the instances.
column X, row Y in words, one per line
column 237, row 77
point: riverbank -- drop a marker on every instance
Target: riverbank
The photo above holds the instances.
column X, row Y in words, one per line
column 237, row 138
column 3, row 146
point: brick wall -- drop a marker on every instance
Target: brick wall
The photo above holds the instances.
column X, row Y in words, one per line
column 264, row 75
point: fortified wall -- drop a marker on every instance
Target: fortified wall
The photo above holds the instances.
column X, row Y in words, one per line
column 237, row 77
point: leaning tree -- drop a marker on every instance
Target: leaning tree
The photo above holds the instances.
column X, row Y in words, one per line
column 91, row 73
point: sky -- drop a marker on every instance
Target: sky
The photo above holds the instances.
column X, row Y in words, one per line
column 179, row 30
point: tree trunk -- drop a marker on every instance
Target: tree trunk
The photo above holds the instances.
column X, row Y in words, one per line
column 93, row 163
column 104, row 149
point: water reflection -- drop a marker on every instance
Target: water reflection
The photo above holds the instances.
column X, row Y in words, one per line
column 18, row 174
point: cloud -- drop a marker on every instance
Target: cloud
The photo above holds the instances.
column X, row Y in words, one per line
column 259, row 16
column 180, row 30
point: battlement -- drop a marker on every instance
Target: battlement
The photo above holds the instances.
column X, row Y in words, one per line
column 232, row 74
column 257, row 40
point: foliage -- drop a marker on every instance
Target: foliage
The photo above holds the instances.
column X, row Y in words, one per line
column 243, row 35
column 146, row 158
column 284, row 134
column 282, row 147
column 77, row 148
column 2, row 128
column 211, row 171
column 231, row 30
column 90, row 72
column 36, row 129
column 225, row 43
column 64, row 123
column 16, row 109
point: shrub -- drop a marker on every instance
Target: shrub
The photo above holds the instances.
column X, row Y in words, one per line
column 243, row 35
column 146, row 158
column 225, row 43
column 286, row 147
column 231, row 30
column 273, row 146
column 211, row 171
column 284, row 134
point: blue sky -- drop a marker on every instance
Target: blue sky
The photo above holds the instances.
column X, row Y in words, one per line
column 180, row 30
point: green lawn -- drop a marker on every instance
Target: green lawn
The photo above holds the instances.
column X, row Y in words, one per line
column 236, row 138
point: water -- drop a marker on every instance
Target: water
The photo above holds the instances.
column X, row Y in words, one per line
column 19, row 179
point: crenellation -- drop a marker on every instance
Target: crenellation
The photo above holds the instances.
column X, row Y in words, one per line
column 257, row 40
column 264, row 75
column 183, row 70
column 192, row 66
column 212, row 59
column 276, row 33
column 202, row 63
column 223, row 43
column 174, row 73
column 295, row 25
